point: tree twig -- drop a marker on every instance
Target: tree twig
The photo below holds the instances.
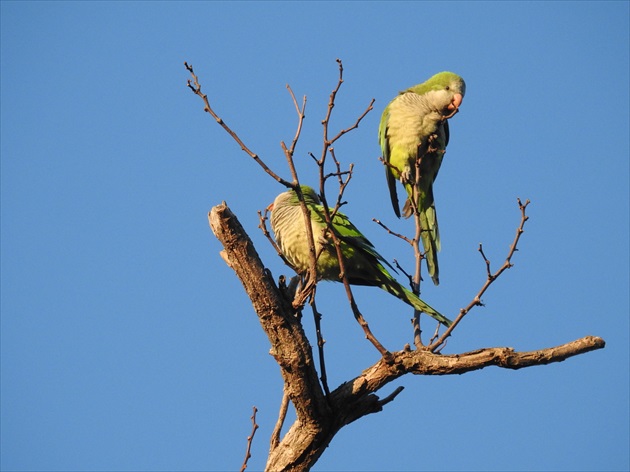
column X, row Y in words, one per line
column 307, row 289
column 418, row 257
column 317, row 317
column 391, row 396
column 282, row 414
column 393, row 233
column 250, row 439
column 195, row 86
column 301, row 115
column 329, row 216
column 491, row 277
column 262, row 218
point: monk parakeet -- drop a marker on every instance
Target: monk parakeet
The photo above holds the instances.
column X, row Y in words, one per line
column 414, row 125
column 363, row 265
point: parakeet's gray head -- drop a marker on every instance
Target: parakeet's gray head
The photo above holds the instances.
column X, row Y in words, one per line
column 290, row 197
column 448, row 88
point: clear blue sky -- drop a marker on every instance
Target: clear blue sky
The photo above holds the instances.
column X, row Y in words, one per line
column 127, row 344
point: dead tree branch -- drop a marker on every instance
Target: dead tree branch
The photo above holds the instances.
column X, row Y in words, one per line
column 290, row 347
column 476, row 301
column 319, row 420
column 196, row 89
column 321, row 413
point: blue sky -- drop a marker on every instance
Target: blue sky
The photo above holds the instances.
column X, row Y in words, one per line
column 127, row 344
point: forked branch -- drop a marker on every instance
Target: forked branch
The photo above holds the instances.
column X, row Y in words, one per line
column 491, row 277
column 195, row 86
column 321, row 413
column 318, row 419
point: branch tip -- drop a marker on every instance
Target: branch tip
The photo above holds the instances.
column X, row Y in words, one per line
column 250, row 439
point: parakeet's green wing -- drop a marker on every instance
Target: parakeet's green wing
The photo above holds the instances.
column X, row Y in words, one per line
column 389, row 175
column 446, row 138
column 415, row 125
column 362, row 264
column 351, row 235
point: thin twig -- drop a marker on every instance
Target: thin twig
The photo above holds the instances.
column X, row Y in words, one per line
column 339, row 173
column 391, row 396
column 393, row 233
column 356, row 123
column 418, row 254
column 320, row 346
column 195, row 86
column 486, row 260
column 331, row 105
column 301, row 116
column 262, row 218
column 342, row 275
column 342, row 183
column 435, row 334
column 275, row 434
column 328, row 216
column 250, row 439
column 404, row 272
column 308, row 287
column 491, row 277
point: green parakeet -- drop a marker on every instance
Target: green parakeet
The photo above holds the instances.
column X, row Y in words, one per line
column 414, row 125
column 363, row 265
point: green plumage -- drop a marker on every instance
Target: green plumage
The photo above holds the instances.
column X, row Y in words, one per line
column 363, row 265
column 414, row 125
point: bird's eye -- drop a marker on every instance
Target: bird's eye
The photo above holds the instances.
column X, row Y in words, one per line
column 447, row 88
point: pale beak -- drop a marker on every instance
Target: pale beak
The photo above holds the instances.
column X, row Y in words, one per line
column 456, row 102
column 453, row 107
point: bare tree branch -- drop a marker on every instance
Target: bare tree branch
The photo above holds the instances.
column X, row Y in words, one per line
column 195, row 86
column 290, row 346
column 329, row 216
column 491, row 277
column 386, row 228
column 427, row 363
column 321, row 413
column 318, row 420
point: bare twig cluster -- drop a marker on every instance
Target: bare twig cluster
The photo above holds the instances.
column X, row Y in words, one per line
column 476, row 301
column 320, row 417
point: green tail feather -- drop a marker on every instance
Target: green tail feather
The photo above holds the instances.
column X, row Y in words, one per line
column 419, row 305
column 411, row 299
column 430, row 238
column 431, row 242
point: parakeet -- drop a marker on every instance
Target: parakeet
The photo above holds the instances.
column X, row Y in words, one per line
column 363, row 265
column 414, row 125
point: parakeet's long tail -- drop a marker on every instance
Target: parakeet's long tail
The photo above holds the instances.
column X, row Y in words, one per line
column 431, row 242
column 430, row 238
column 408, row 297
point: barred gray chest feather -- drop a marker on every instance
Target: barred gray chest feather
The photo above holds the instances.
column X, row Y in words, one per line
column 411, row 111
column 287, row 223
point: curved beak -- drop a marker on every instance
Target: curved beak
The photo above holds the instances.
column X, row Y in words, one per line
column 453, row 107
column 269, row 207
column 456, row 102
